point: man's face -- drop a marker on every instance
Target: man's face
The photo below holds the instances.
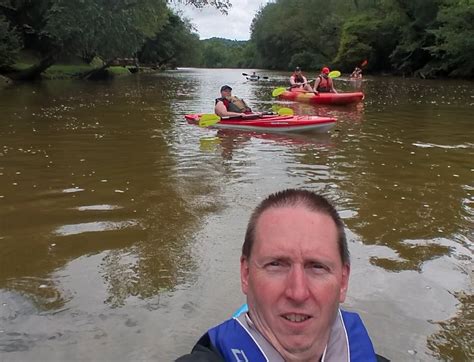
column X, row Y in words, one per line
column 294, row 280
column 226, row 92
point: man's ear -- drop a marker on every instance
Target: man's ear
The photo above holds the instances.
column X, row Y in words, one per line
column 244, row 274
column 346, row 270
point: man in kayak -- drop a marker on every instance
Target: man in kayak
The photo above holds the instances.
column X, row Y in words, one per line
column 230, row 106
column 298, row 80
column 324, row 83
column 357, row 73
column 294, row 270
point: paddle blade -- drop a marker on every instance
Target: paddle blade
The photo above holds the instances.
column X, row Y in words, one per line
column 276, row 92
column 364, row 63
column 334, row 74
column 245, row 74
column 207, row 120
column 285, row 112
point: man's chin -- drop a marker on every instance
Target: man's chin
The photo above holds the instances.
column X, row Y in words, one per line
column 298, row 346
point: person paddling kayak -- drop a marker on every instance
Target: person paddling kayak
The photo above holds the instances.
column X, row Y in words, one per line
column 298, row 80
column 228, row 105
column 357, row 73
column 324, row 83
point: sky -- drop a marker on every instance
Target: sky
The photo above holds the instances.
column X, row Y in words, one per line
column 211, row 23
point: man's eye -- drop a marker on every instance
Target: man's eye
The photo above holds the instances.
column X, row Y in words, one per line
column 275, row 265
column 318, row 268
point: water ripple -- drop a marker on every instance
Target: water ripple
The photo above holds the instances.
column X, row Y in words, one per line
column 95, row 226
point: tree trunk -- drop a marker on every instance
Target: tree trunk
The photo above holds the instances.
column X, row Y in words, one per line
column 34, row 72
column 98, row 72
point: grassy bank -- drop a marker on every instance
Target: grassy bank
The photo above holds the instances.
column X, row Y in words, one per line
column 70, row 71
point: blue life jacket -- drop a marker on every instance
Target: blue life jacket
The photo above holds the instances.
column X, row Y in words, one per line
column 235, row 343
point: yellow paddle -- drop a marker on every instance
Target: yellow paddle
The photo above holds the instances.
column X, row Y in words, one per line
column 277, row 91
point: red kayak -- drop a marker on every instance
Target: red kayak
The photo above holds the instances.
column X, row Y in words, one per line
column 300, row 95
column 272, row 123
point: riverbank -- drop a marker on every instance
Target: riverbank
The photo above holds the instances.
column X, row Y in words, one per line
column 66, row 68
column 69, row 71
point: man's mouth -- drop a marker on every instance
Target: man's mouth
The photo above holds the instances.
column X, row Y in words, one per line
column 297, row 318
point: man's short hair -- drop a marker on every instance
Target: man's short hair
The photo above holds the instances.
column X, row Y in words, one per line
column 225, row 87
column 293, row 197
column 297, row 69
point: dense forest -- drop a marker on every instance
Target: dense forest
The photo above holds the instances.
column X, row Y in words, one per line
column 425, row 38
column 35, row 34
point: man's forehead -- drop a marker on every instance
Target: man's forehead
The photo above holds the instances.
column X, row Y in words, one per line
column 290, row 214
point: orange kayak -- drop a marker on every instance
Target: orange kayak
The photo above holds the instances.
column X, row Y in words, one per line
column 300, row 95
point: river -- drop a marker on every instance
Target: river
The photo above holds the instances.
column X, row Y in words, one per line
column 121, row 225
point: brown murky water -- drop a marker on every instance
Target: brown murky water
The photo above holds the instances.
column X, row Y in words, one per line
column 121, row 225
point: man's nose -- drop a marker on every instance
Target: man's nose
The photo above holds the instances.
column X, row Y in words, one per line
column 297, row 284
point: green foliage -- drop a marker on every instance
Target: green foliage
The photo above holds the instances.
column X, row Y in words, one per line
column 286, row 31
column 366, row 36
column 223, row 53
column 9, row 43
column 454, row 40
column 250, row 56
column 416, row 17
column 174, row 44
column 221, row 5
column 424, row 37
column 104, row 28
column 62, row 71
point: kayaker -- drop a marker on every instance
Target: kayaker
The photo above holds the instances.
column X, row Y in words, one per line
column 298, row 80
column 323, row 83
column 294, row 270
column 228, row 105
column 357, row 73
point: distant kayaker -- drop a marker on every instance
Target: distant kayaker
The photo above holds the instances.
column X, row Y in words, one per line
column 298, row 80
column 228, row 105
column 294, row 270
column 324, row 83
column 357, row 73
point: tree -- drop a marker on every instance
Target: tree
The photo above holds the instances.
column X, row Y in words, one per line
column 9, row 43
column 416, row 17
column 105, row 28
column 222, row 53
column 454, row 40
column 174, row 44
column 89, row 28
column 221, row 5
column 367, row 36
column 288, row 32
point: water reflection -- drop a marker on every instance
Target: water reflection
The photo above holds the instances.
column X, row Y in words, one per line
column 455, row 337
column 118, row 193
column 117, row 216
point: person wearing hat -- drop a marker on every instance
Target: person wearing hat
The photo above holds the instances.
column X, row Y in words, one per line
column 357, row 73
column 323, row 83
column 298, row 80
column 230, row 106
